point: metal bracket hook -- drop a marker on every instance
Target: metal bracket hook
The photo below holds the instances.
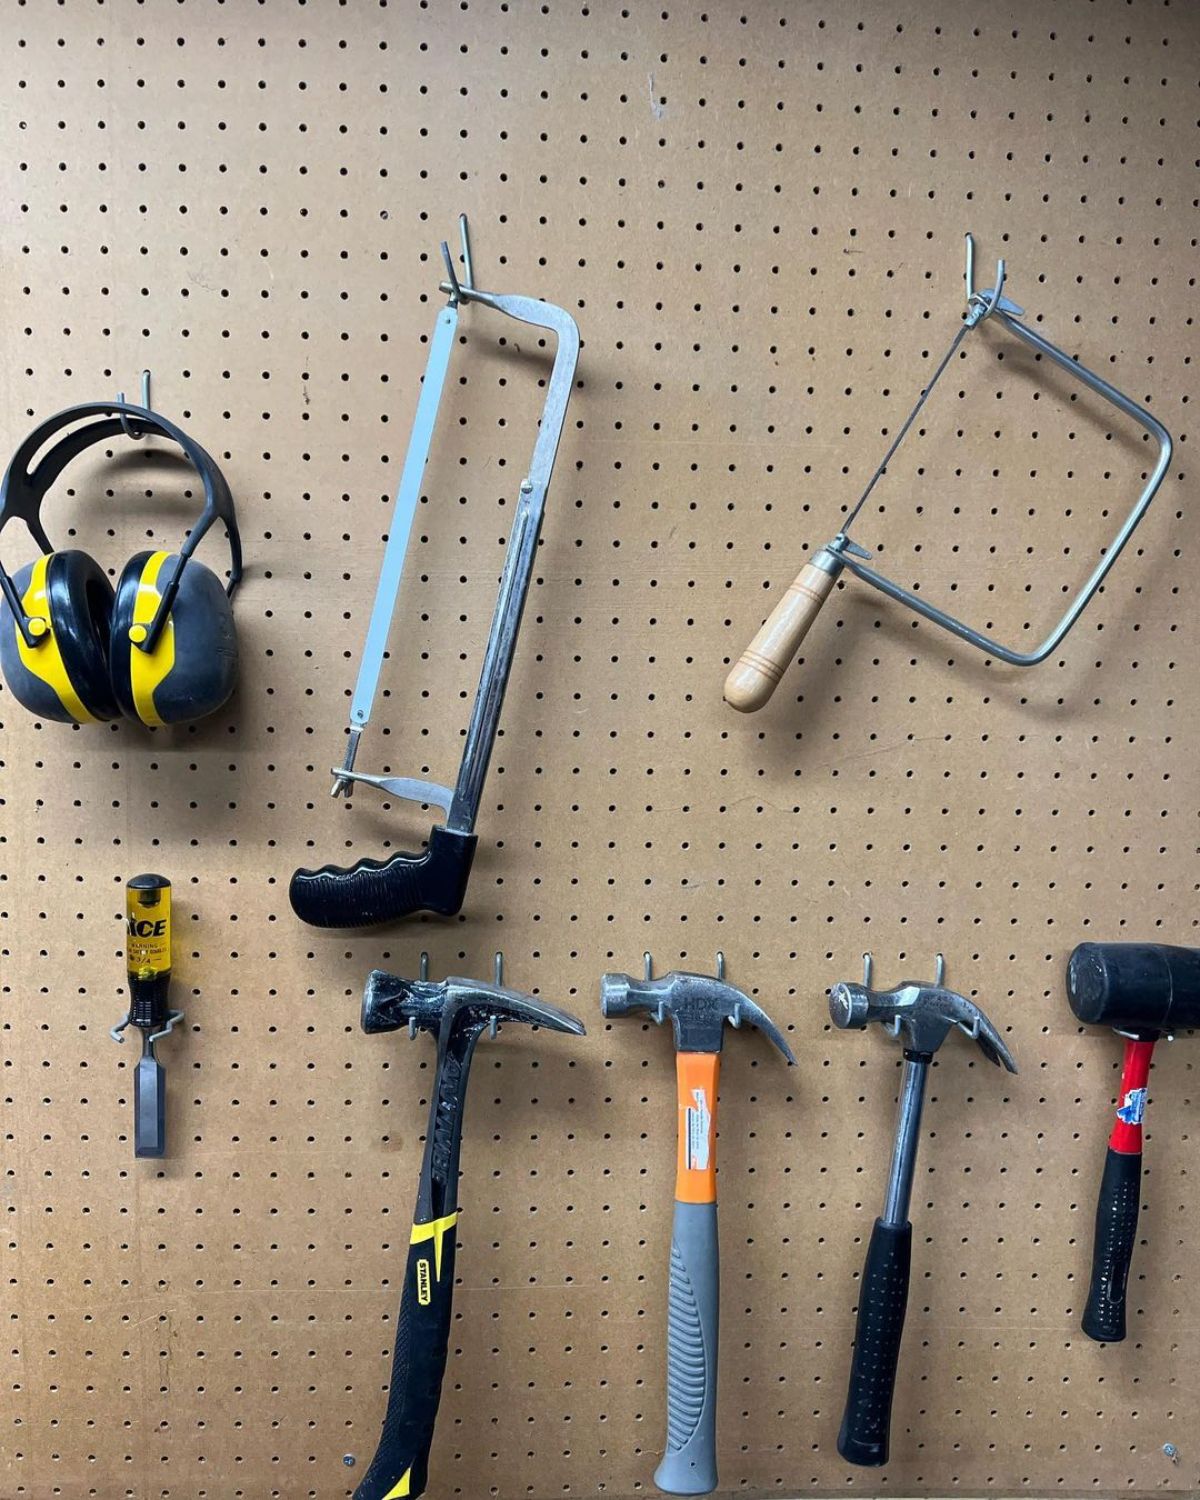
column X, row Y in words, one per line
column 981, row 305
column 129, row 432
column 173, row 1019
column 468, row 280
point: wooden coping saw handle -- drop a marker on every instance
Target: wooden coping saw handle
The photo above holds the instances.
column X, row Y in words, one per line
column 758, row 670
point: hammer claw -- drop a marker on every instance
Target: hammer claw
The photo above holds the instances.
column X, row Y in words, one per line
column 990, row 1042
column 758, row 1018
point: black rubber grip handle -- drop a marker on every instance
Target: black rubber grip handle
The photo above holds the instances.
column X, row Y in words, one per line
column 401, row 1462
column 385, row 890
column 1112, row 1250
column 881, row 1306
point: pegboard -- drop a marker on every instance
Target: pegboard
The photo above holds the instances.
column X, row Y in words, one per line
column 756, row 216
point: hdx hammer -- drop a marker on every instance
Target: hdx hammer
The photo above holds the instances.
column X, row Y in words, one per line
column 923, row 1015
column 457, row 1012
column 698, row 1007
column 1144, row 991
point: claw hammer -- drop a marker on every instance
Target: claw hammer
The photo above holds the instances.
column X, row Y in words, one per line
column 921, row 1017
column 698, row 1007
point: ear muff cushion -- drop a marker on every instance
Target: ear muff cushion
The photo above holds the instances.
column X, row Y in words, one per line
column 66, row 678
column 193, row 667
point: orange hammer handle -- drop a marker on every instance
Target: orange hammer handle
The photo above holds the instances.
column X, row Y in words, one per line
column 696, row 1076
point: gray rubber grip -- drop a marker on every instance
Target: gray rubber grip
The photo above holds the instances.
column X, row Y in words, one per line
column 689, row 1465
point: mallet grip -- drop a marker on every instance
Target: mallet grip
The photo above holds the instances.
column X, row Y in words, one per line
column 1119, row 1202
column 689, row 1462
column 758, row 670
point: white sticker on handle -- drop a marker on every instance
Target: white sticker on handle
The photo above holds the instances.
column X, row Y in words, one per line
column 699, row 1117
column 1134, row 1107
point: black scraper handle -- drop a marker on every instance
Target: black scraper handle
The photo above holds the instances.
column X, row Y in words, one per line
column 375, row 891
column 882, row 1303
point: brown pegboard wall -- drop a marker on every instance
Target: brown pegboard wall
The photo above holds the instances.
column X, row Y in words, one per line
column 756, row 216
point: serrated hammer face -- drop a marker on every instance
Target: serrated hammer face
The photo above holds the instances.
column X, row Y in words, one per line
column 922, row 1013
column 448, row 1006
column 698, row 1006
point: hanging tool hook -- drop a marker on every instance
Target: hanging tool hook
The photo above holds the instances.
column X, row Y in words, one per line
column 451, row 276
column 129, row 432
column 981, row 305
column 464, row 235
column 468, row 280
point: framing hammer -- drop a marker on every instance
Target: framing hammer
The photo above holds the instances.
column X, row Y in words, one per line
column 698, row 1007
column 1144, row 991
column 457, row 1012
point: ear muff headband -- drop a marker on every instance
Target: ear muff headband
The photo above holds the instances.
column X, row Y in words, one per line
column 147, row 669
column 23, row 489
column 44, row 660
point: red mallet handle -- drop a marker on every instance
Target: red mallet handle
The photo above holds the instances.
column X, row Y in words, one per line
column 1119, row 1201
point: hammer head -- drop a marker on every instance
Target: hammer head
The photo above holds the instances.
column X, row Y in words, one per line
column 697, row 1005
column 1140, row 989
column 452, row 1007
column 923, row 1014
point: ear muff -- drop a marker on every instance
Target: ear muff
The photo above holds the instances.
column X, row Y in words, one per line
column 193, row 667
column 65, row 674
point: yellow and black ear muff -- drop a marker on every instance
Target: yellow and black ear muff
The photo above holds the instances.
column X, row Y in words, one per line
column 190, row 669
column 66, row 640
column 58, row 666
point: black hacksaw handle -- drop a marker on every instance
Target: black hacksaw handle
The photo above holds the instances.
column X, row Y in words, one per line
column 375, row 891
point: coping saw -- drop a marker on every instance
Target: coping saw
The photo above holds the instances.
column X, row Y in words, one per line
column 756, row 674
column 436, row 880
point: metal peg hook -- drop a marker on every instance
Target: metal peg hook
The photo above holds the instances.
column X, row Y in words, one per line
column 980, row 306
column 468, row 277
column 423, row 971
column 498, row 969
column 451, row 275
column 868, row 967
column 720, row 965
column 125, row 427
column 939, row 970
column 464, row 235
column 647, row 967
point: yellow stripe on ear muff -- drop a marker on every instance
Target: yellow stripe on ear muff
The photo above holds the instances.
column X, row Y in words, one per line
column 147, row 669
column 44, row 659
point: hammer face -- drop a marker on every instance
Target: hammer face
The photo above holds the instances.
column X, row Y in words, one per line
column 1142, row 989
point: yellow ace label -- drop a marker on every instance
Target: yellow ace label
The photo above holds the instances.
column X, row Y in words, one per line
column 148, row 926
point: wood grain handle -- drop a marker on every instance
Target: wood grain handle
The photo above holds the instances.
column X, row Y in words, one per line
column 763, row 662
